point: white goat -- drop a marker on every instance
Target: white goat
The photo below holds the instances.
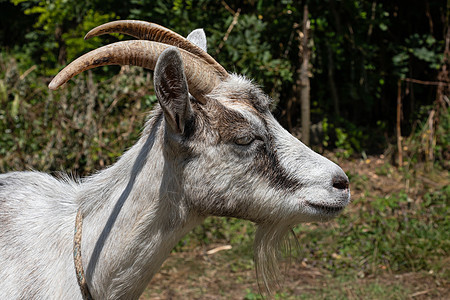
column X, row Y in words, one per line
column 218, row 152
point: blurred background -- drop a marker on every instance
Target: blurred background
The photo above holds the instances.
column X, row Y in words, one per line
column 365, row 83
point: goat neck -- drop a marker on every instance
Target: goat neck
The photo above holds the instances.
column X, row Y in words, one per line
column 133, row 217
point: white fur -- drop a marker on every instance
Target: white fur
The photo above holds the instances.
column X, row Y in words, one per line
column 198, row 37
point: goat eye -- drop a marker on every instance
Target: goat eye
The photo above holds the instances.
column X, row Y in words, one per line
column 245, row 140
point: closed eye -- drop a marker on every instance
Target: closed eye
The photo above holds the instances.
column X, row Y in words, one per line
column 247, row 140
column 244, row 140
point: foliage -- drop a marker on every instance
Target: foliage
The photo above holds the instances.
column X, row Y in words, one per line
column 361, row 47
column 82, row 127
column 57, row 35
column 430, row 141
column 74, row 37
column 421, row 47
column 252, row 55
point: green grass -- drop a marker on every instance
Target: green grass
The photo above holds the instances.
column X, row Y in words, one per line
column 387, row 233
column 344, row 287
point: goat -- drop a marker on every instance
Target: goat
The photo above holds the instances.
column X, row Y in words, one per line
column 211, row 147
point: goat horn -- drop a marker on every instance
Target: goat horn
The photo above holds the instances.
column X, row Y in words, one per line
column 154, row 32
column 201, row 76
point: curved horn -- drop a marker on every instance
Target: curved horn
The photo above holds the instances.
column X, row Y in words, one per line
column 154, row 32
column 201, row 76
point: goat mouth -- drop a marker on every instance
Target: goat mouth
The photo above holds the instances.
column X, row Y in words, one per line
column 327, row 209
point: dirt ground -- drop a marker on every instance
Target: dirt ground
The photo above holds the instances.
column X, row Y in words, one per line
column 196, row 275
column 191, row 276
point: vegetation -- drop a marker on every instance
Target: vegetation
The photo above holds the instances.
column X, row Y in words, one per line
column 360, row 50
column 380, row 105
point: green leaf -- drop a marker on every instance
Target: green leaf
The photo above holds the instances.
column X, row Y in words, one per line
column 424, row 54
column 383, row 27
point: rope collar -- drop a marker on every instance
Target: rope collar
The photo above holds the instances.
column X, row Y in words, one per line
column 79, row 272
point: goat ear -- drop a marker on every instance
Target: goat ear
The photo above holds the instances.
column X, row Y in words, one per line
column 171, row 89
column 198, row 37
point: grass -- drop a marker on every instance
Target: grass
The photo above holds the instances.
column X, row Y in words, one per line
column 346, row 287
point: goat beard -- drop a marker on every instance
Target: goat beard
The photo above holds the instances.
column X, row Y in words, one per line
column 271, row 242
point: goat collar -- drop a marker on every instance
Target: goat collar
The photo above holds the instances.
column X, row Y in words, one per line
column 79, row 272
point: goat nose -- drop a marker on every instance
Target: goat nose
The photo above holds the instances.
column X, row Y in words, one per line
column 340, row 182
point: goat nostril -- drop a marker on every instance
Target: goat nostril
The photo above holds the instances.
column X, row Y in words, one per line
column 340, row 183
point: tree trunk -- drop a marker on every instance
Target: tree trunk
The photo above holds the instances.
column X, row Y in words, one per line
column 398, row 127
column 304, row 79
column 333, row 89
column 62, row 53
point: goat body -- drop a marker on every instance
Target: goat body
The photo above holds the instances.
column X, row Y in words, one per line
column 224, row 156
